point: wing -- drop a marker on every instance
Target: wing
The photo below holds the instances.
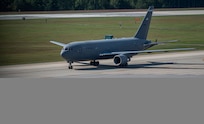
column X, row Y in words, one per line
column 58, row 43
column 144, row 51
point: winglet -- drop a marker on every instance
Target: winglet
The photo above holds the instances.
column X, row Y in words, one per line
column 58, row 43
column 144, row 27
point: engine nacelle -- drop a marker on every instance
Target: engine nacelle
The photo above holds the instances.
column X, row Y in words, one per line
column 121, row 60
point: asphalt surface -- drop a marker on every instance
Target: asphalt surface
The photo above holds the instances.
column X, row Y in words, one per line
column 165, row 65
column 104, row 14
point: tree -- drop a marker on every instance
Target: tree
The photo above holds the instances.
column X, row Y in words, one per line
column 6, row 5
column 23, row 5
column 141, row 4
column 79, row 5
column 28, row 5
column 39, row 5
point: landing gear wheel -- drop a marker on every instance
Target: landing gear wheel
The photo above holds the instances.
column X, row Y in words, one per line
column 94, row 63
column 70, row 65
column 91, row 63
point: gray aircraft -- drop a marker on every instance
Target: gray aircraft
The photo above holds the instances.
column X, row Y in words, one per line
column 121, row 49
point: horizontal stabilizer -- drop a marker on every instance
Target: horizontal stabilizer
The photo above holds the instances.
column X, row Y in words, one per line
column 163, row 42
column 58, row 43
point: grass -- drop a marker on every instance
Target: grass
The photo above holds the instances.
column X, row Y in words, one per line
column 28, row 41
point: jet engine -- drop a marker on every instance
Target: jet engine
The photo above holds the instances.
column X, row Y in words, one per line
column 121, row 60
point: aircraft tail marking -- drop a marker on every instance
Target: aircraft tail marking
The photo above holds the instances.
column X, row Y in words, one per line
column 144, row 27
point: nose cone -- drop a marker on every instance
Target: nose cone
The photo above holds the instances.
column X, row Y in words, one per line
column 63, row 53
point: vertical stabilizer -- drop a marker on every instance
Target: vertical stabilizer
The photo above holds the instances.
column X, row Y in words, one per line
column 144, row 27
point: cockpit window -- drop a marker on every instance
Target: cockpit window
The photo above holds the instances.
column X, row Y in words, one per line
column 68, row 49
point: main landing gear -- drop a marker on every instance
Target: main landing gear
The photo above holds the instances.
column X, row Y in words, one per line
column 94, row 63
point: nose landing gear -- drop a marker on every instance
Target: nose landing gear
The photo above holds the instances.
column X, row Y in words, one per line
column 70, row 65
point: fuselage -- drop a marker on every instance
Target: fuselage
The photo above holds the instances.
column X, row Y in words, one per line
column 121, row 50
column 91, row 50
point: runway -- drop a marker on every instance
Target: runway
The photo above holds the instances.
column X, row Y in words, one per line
column 186, row 64
column 100, row 14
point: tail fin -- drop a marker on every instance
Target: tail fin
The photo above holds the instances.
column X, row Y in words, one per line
column 144, row 27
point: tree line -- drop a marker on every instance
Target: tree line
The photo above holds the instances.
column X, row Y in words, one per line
column 53, row 5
